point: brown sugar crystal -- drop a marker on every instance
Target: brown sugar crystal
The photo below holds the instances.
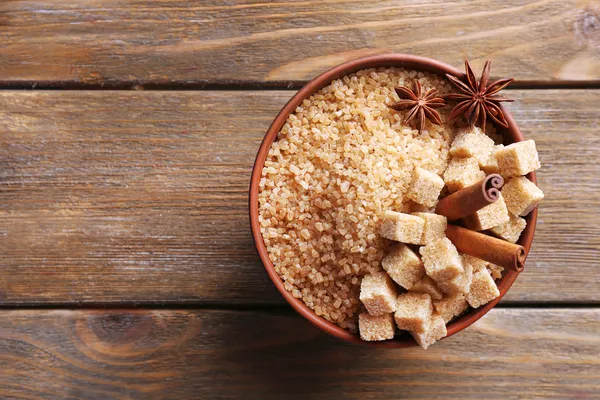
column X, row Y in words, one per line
column 435, row 329
column 434, row 227
column 427, row 285
column 425, row 187
column 483, row 289
column 402, row 227
column 475, row 262
column 511, row 230
column 441, row 260
column 376, row 328
column 491, row 164
column 413, row 311
column 521, row 195
column 403, row 265
column 489, row 216
column 518, row 159
column 451, row 306
column 473, row 143
column 459, row 284
column 378, row 294
column 461, row 173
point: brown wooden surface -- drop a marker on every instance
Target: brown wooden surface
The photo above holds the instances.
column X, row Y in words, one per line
column 511, row 353
column 126, row 198
column 141, row 197
column 175, row 41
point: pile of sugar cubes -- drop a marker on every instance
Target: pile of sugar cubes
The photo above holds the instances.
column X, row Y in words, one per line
column 473, row 155
column 425, row 282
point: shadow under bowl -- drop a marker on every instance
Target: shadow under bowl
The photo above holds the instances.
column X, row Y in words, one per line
column 511, row 134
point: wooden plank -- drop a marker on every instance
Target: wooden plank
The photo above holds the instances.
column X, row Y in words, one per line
column 150, row 354
column 112, row 42
column 141, row 197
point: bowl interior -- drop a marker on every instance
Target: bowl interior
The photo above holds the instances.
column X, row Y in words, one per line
column 510, row 134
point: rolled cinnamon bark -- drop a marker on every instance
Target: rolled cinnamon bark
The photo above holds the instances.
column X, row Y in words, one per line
column 470, row 199
column 488, row 248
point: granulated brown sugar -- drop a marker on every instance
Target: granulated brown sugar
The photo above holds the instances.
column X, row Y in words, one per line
column 342, row 159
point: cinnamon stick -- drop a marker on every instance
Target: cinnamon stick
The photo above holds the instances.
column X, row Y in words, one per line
column 488, row 248
column 470, row 199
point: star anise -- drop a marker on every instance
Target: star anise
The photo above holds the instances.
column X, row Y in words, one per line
column 421, row 105
column 478, row 100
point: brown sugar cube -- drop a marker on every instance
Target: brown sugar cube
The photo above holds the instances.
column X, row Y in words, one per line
column 491, row 164
column 425, row 187
column 402, row 227
column 451, row 306
column 459, row 284
column 511, row 230
column 483, row 289
column 521, row 195
column 376, row 328
column 489, row 216
column 434, row 331
column 472, row 143
column 461, row 173
column 518, row 159
column 413, row 311
column 434, row 228
column 378, row 294
column 474, row 262
column 495, row 271
column 427, row 285
column 441, row 260
column 403, row 265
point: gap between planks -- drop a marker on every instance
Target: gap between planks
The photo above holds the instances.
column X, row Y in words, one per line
column 276, row 309
column 244, row 85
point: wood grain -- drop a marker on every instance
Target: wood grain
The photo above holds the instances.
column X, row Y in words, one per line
column 141, row 197
column 136, row 42
column 509, row 354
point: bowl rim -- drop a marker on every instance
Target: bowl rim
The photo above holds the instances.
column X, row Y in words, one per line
column 386, row 60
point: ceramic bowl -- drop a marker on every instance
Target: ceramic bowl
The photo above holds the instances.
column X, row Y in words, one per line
column 511, row 134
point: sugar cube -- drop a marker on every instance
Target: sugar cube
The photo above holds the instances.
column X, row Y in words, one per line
column 474, row 262
column 518, row 158
column 489, row 216
column 425, row 187
column 511, row 230
column 441, row 260
column 459, row 284
column 413, row 311
column 434, row 228
column 435, row 330
column 483, row 289
column 491, row 164
column 402, row 227
column 376, row 328
column 403, row 265
column 521, row 195
column 427, row 285
column 472, row 143
column 378, row 294
column 462, row 172
column 451, row 306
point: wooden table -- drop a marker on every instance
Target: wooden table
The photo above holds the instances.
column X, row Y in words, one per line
column 127, row 269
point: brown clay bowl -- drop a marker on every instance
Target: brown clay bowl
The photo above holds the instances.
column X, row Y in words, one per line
column 511, row 134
